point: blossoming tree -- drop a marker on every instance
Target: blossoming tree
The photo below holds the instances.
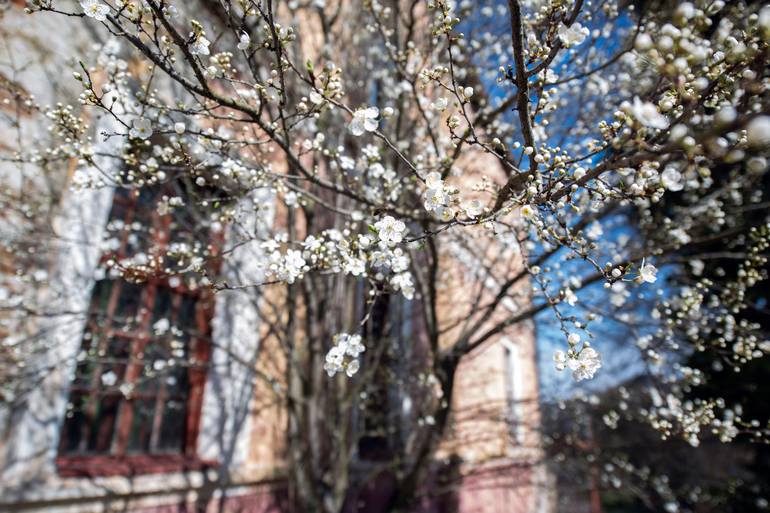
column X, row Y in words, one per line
column 487, row 161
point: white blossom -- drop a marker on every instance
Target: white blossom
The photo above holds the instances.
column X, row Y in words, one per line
column 440, row 104
column 161, row 326
column 364, row 120
column 244, row 41
column 200, row 46
column 141, row 128
column 352, row 368
column 109, row 378
column 355, row 266
column 758, row 132
column 294, row 264
column 288, row 267
column 560, row 360
column 344, row 354
column 438, row 198
column 473, row 208
column 648, row 273
column 585, row 365
column 354, row 346
column 648, row 115
column 95, row 9
column 672, row 179
column 389, row 230
column 171, row 11
column 403, row 282
column 572, row 35
column 528, row 212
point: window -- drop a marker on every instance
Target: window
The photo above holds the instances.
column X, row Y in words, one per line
column 135, row 399
column 383, row 420
column 512, row 392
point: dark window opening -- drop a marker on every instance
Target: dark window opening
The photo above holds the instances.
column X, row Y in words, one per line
column 138, row 385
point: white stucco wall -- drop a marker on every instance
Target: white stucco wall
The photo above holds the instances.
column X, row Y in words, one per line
column 34, row 435
column 229, row 394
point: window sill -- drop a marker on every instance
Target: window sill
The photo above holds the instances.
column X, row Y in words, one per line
column 93, row 466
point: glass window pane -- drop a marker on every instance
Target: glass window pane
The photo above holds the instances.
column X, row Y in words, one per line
column 154, row 359
column 102, row 425
column 187, row 317
column 141, row 425
column 85, row 368
column 100, row 299
column 162, row 310
column 128, row 305
column 176, row 380
column 173, row 426
column 121, row 202
column 74, row 423
column 114, row 359
column 146, row 206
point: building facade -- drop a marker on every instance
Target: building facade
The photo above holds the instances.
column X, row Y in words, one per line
column 130, row 433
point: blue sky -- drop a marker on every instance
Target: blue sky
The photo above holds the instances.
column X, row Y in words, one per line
column 613, row 339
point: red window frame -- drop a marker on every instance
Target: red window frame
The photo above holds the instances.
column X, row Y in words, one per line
column 119, row 460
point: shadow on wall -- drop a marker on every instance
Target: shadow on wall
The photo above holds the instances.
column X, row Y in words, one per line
column 444, row 485
column 502, row 486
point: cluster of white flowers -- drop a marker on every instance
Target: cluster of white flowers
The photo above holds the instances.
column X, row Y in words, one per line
column 393, row 264
column 364, row 120
column 648, row 273
column 244, row 41
column 163, row 326
column 390, row 231
column 440, row 104
column 647, row 114
column 439, row 198
column 95, row 9
column 343, row 356
column 573, row 35
column 331, row 88
column 286, row 267
column 339, row 251
column 199, row 45
column 383, row 182
column 141, row 128
column 583, row 363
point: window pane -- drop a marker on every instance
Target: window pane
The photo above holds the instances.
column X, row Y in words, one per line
column 113, row 361
column 176, row 380
column 141, row 425
column 128, row 305
column 100, row 299
column 74, row 423
column 186, row 317
column 173, row 426
column 86, row 362
column 103, row 422
column 153, row 363
column 121, row 202
column 146, row 210
column 162, row 309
